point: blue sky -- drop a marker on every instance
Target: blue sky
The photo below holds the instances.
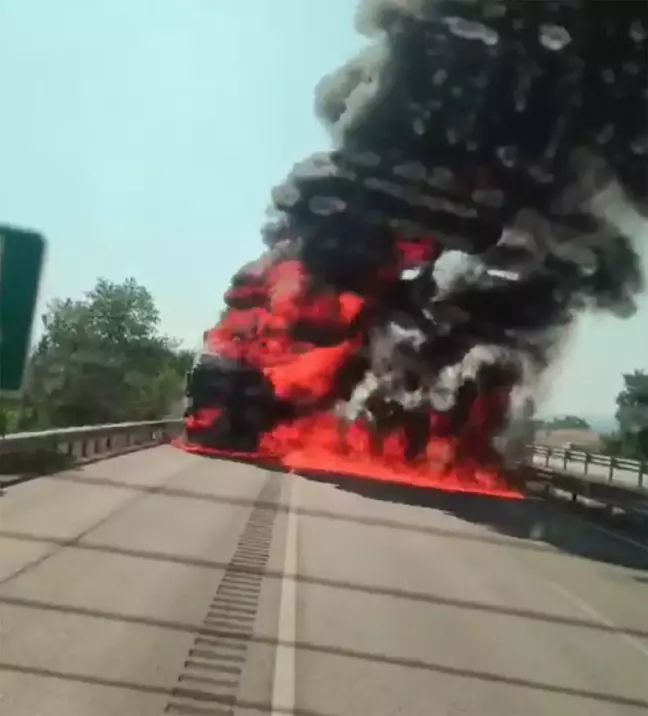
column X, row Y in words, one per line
column 143, row 138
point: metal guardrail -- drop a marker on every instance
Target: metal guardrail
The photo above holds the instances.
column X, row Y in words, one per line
column 91, row 442
column 615, row 483
column 623, row 472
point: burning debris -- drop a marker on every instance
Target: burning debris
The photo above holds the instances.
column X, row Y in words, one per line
column 515, row 133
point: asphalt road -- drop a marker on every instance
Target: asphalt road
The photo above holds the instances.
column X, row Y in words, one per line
column 161, row 582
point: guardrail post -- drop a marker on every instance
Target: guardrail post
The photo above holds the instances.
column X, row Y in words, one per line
column 642, row 472
column 547, row 457
column 565, row 460
column 611, row 470
column 586, row 463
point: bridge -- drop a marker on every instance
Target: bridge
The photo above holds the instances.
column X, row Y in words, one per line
column 595, row 466
column 139, row 579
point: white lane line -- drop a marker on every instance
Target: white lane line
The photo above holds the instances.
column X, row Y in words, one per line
column 588, row 609
column 283, row 687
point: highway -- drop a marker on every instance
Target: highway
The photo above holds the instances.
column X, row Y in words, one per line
column 161, row 582
column 597, row 472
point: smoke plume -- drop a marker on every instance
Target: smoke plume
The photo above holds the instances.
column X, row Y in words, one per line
column 515, row 133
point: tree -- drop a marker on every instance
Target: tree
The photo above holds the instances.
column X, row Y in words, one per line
column 566, row 422
column 632, row 416
column 101, row 360
column 8, row 418
column 612, row 444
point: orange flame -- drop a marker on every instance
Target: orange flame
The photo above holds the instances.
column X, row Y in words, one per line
column 273, row 305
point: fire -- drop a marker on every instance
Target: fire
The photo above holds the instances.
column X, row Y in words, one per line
column 300, row 347
column 455, row 129
column 324, row 443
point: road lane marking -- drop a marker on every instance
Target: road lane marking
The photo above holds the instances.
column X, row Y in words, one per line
column 587, row 608
column 283, row 687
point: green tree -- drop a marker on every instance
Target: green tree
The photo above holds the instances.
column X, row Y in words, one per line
column 612, row 444
column 101, row 359
column 8, row 418
column 566, row 422
column 632, row 416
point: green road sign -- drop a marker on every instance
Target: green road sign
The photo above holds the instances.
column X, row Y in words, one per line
column 21, row 260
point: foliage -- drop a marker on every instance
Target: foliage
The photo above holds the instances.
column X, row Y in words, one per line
column 101, row 359
column 8, row 418
column 564, row 422
column 632, row 416
column 611, row 444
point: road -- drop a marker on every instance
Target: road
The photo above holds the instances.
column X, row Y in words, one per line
column 598, row 472
column 161, row 582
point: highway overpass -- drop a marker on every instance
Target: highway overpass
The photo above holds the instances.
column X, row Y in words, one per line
column 162, row 582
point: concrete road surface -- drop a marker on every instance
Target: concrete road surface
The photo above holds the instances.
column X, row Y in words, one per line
column 598, row 472
column 161, row 582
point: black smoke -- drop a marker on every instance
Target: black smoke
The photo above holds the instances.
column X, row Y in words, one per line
column 504, row 129
column 515, row 133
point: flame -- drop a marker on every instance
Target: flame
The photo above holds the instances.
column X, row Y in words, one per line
column 324, row 443
column 300, row 339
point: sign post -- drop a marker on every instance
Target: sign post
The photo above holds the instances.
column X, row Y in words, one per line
column 21, row 260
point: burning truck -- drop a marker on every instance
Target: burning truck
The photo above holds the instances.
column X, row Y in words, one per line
column 511, row 135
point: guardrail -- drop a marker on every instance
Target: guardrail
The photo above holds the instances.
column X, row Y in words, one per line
column 51, row 449
column 610, row 480
column 631, row 473
column 617, row 484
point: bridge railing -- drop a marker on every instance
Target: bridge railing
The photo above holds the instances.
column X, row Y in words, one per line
column 602, row 478
column 597, row 466
column 614, row 483
column 34, row 451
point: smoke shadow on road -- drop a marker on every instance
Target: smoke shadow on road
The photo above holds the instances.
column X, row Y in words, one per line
column 531, row 524
column 56, row 544
column 334, row 516
column 536, row 521
column 312, row 647
column 569, row 528
column 213, row 704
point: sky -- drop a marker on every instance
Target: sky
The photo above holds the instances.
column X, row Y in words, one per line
column 143, row 137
